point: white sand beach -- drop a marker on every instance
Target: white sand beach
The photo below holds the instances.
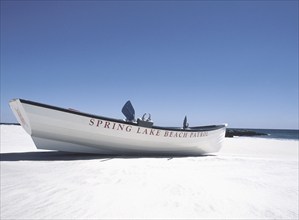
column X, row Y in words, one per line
column 250, row 178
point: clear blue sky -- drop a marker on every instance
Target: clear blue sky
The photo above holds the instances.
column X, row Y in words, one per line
column 232, row 62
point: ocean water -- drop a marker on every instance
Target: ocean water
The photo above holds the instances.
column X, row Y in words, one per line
column 278, row 133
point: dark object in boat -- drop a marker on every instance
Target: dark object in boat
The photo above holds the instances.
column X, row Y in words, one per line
column 242, row 132
column 129, row 111
column 185, row 123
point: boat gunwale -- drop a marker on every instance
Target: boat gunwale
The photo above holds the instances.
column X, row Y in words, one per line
column 75, row 112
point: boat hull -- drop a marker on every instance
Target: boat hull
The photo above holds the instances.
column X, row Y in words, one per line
column 54, row 128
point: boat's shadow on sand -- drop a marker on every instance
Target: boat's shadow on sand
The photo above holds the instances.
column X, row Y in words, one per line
column 64, row 156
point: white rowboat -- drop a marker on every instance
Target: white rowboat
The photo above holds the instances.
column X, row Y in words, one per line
column 55, row 128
